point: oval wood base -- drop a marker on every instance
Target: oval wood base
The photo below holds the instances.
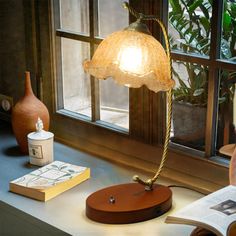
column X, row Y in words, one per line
column 128, row 203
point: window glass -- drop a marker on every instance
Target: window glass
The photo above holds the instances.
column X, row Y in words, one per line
column 228, row 39
column 111, row 17
column 114, row 99
column 76, row 84
column 227, row 110
column 189, row 104
column 114, row 103
column 108, row 16
column 74, row 15
column 189, row 25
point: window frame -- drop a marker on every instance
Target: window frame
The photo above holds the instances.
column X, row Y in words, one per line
column 144, row 119
column 92, row 40
column 214, row 64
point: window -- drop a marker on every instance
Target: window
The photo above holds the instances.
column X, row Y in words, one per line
column 88, row 128
column 202, row 68
column 203, row 40
column 81, row 25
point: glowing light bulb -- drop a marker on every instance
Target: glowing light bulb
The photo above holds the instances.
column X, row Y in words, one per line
column 130, row 60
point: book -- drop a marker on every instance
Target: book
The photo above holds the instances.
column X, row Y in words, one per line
column 215, row 212
column 50, row 180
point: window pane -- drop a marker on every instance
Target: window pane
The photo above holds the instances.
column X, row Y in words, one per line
column 189, row 104
column 228, row 40
column 114, row 103
column 76, row 84
column 111, row 17
column 114, row 99
column 75, row 15
column 227, row 109
column 189, row 26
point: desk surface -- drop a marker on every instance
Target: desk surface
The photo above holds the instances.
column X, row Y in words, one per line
column 67, row 211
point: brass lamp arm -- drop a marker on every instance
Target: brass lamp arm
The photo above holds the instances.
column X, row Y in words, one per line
column 136, row 14
column 149, row 182
column 131, row 10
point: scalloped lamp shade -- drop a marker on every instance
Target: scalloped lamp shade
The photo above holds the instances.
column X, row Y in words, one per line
column 132, row 59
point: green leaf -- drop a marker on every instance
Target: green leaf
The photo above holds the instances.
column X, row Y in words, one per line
column 194, row 35
column 198, row 92
column 198, row 82
column 206, row 8
column 211, row 2
column 195, row 5
column 182, row 26
column 202, row 42
column 176, row 6
column 233, row 10
column 182, row 84
column 205, row 48
column 226, row 21
column 206, row 23
column 187, row 31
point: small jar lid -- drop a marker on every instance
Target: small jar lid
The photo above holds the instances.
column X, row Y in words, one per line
column 40, row 134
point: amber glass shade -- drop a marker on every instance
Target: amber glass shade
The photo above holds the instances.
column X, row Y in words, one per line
column 132, row 59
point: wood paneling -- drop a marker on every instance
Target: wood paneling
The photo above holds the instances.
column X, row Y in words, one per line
column 12, row 48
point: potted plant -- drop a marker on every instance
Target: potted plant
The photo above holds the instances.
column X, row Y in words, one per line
column 189, row 105
column 190, row 21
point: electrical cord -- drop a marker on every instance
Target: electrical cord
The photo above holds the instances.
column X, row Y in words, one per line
column 185, row 187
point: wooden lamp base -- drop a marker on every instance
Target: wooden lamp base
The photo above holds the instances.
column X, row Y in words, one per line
column 128, row 203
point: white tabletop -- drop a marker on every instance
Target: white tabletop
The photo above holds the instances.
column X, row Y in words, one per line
column 67, row 211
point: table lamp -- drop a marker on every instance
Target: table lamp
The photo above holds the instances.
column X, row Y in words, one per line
column 133, row 57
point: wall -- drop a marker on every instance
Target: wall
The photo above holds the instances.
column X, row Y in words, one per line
column 15, row 46
column 12, row 48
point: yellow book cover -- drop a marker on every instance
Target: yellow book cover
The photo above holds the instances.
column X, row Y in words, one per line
column 50, row 180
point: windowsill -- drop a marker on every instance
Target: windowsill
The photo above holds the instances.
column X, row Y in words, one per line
column 196, row 172
column 67, row 211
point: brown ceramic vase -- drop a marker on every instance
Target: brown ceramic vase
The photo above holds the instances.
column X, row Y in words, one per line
column 25, row 114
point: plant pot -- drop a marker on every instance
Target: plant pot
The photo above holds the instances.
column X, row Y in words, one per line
column 25, row 114
column 189, row 122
